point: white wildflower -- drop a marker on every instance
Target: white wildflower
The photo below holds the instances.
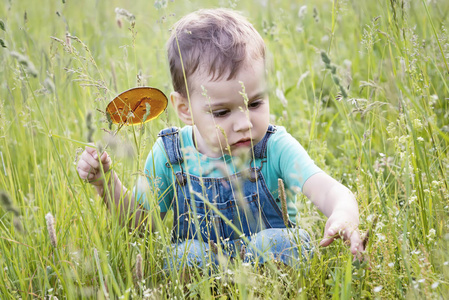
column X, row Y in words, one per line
column 380, row 236
column 302, row 11
column 378, row 288
column 417, row 124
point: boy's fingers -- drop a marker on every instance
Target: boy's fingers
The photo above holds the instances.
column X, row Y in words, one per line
column 89, row 167
column 351, row 236
column 85, row 174
column 89, row 159
column 326, row 241
column 329, row 236
column 90, row 155
column 92, row 151
column 356, row 243
column 105, row 158
column 85, row 167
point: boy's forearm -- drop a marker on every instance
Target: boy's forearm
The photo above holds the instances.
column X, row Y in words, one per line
column 329, row 195
column 118, row 195
column 111, row 190
column 341, row 198
column 114, row 193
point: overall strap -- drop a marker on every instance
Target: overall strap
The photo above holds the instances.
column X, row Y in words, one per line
column 260, row 150
column 170, row 137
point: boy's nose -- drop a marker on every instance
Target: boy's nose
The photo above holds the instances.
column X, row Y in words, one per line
column 242, row 122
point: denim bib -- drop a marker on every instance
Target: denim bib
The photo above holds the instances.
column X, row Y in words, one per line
column 221, row 209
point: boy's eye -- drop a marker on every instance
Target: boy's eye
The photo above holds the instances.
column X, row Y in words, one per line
column 220, row 113
column 255, row 104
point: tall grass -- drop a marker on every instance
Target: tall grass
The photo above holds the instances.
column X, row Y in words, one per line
column 363, row 85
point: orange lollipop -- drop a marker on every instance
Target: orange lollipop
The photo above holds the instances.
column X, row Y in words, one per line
column 136, row 106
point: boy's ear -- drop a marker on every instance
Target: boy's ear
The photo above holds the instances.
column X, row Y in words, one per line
column 181, row 105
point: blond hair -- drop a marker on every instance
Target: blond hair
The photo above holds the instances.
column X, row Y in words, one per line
column 212, row 42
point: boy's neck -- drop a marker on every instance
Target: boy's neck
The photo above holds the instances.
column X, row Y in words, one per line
column 200, row 144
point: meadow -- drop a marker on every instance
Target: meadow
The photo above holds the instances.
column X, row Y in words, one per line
column 363, row 85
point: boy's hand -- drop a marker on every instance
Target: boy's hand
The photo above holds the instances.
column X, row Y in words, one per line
column 341, row 224
column 340, row 206
column 89, row 167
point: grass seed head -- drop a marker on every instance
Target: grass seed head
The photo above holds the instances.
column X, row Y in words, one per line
column 325, row 58
column 121, row 13
column 139, row 269
column 67, row 39
column 6, row 202
column 49, row 85
column 25, row 62
column 90, row 127
column 18, row 225
column 213, row 247
column 51, row 229
column 283, row 199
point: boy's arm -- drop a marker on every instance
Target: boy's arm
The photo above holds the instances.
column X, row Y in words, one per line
column 89, row 168
column 340, row 206
column 125, row 202
column 118, row 195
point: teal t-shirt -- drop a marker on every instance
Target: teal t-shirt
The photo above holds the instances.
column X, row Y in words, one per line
column 286, row 159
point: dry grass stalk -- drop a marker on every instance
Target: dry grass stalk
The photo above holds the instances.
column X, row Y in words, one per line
column 283, row 199
column 213, row 247
column 242, row 252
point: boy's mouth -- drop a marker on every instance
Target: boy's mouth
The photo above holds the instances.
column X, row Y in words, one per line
column 242, row 143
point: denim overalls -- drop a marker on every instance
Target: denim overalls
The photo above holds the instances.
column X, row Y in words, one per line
column 224, row 209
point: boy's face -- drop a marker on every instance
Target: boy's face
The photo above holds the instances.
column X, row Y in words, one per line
column 225, row 122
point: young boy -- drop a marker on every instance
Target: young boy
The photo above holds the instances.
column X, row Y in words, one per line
column 219, row 174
